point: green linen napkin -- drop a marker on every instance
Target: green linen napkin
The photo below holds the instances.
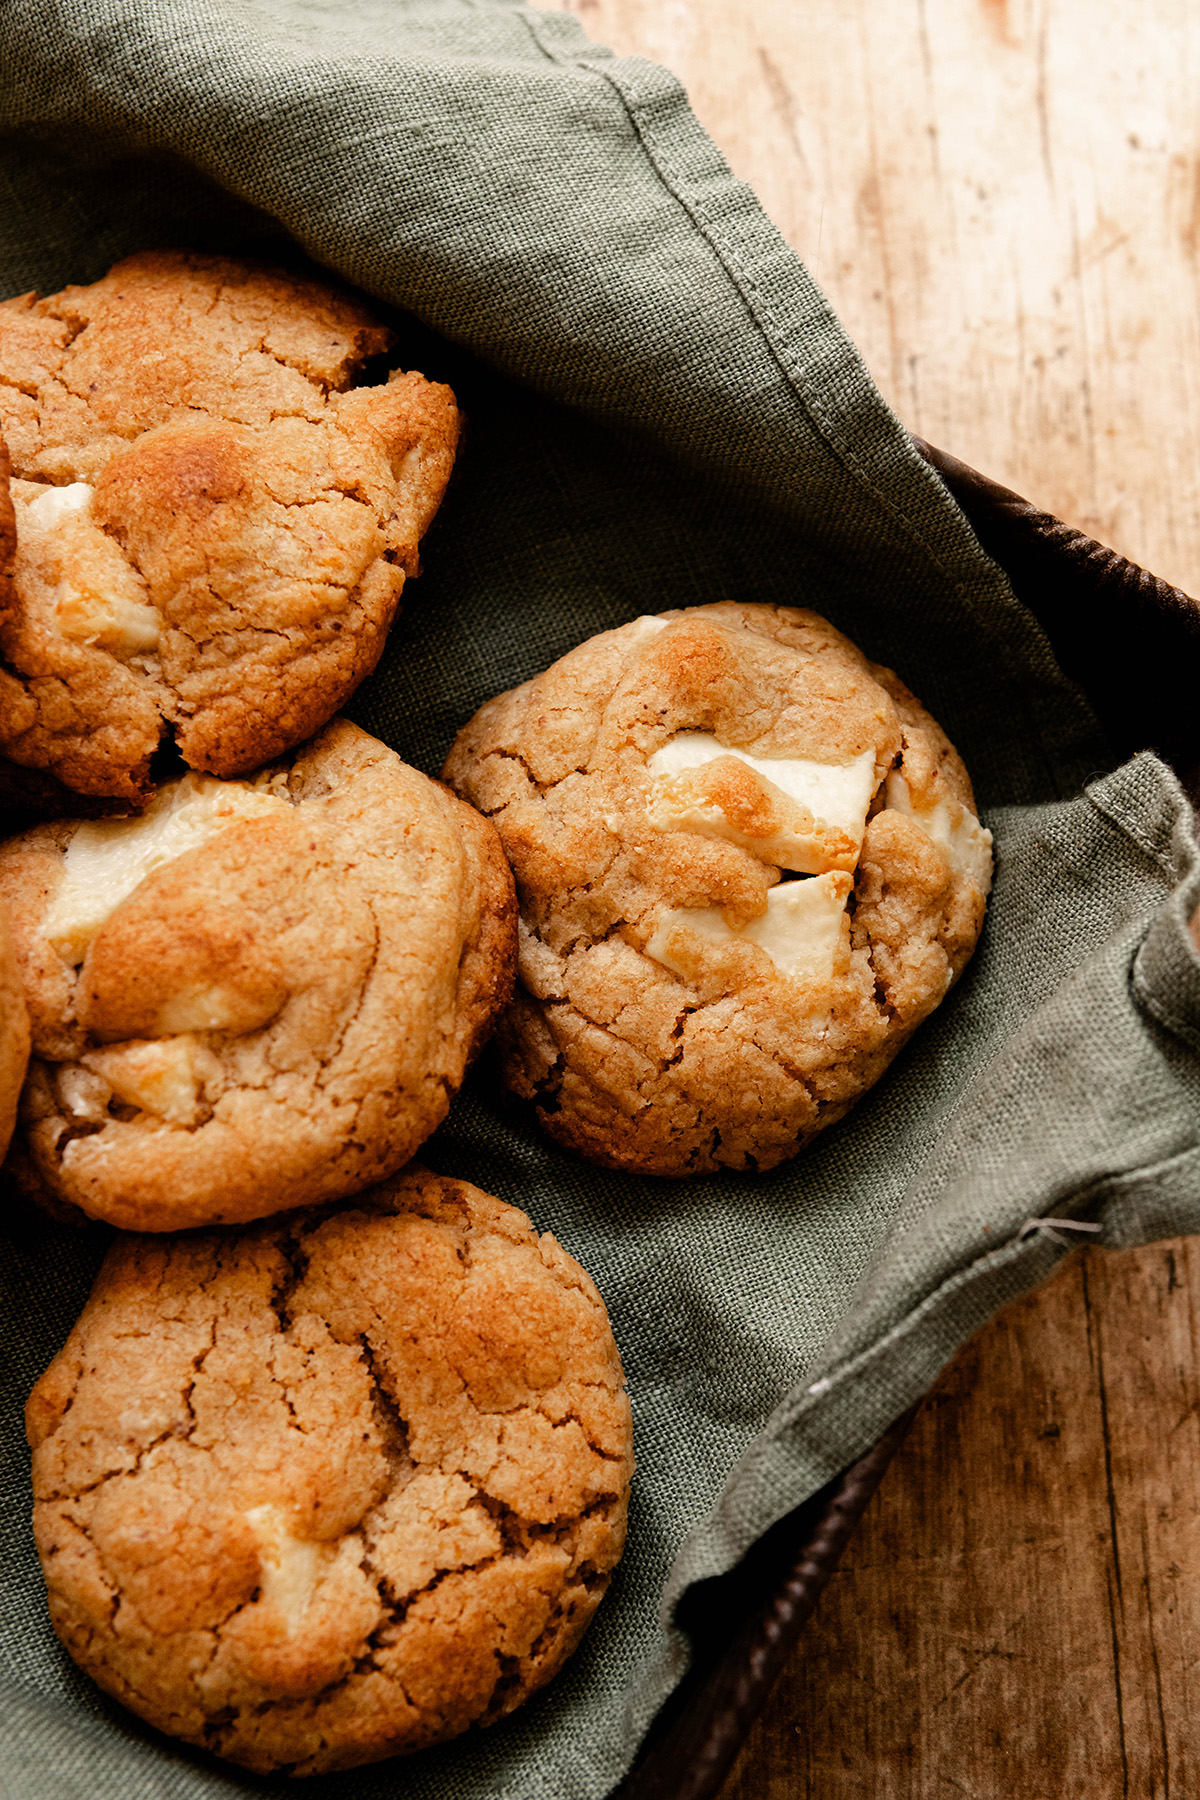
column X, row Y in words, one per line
column 663, row 411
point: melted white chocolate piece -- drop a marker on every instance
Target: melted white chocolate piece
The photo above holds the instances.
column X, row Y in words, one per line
column 82, row 1093
column 96, row 597
column 157, row 1076
column 643, row 628
column 829, row 801
column 50, row 508
column 107, row 859
column 749, row 811
column 804, row 929
column 212, row 1007
column 290, row 1567
column 953, row 826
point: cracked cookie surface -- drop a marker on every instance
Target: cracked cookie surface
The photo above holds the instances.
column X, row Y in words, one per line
column 254, row 995
column 748, row 864
column 209, row 527
column 318, row 1492
column 14, row 1032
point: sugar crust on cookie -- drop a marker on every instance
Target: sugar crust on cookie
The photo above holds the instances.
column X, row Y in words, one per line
column 209, row 527
column 335, row 1488
column 748, row 864
column 255, row 995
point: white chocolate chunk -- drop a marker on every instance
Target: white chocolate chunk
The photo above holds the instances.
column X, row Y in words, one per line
column 954, row 826
column 157, row 1076
column 215, row 1008
column 727, row 799
column 291, row 1567
column 82, row 1093
column 108, row 858
column 54, row 504
column 836, row 796
column 643, row 628
column 114, row 621
column 88, row 591
column 804, row 929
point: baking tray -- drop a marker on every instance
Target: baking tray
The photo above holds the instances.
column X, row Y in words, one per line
column 1132, row 642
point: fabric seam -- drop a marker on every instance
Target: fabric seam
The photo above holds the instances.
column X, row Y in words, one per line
column 980, row 1265
column 1157, row 853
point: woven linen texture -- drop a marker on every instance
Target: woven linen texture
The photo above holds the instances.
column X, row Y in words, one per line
column 663, row 412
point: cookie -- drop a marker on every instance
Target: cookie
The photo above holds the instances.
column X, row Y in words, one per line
column 254, row 995
column 748, row 865
column 326, row 1490
column 14, row 1032
column 207, row 529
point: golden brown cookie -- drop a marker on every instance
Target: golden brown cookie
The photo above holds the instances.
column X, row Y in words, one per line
column 255, row 995
column 327, row 1490
column 14, row 1032
column 212, row 528
column 748, row 865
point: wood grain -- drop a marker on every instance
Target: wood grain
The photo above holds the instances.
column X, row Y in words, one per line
column 1002, row 200
column 1020, row 1610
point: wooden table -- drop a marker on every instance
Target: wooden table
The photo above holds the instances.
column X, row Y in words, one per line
column 1002, row 200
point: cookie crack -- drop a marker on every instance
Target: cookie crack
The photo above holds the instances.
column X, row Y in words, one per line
column 608, row 1456
column 389, row 1419
column 163, row 1437
column 519, row 1534
column 319, row 386
column 74, row 324
column 689, row 1007
column 31, row 392
column 515, row 756
column 556, row 1425
column 291, row 1248
column 134, row 1468
column 587, row 940
column 352, row 1014
column 883, row 1005
column 84, row 1128
column 399, row 1605
column 660, row 1063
